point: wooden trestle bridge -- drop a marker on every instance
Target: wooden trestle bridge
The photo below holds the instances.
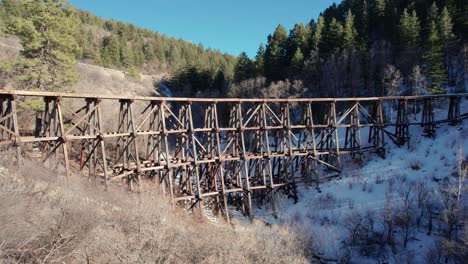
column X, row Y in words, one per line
column 213, row 152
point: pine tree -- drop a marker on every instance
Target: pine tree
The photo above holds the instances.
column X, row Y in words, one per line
column 433, row 13
column 297, row 62
column 362, row 25
column 380, row 7
column 446, row 28
column 349, row 33
column 275, row 54
column 126, row 55
column 316, row 37
column 91, row 51
column 434, row 59
column 259, row 60
column 47, row 31
column 333, row 39
column 245, row 68
column 111, row 51
column 447, row 39
column 297, row 39
column 219, row 82
column 409, row 29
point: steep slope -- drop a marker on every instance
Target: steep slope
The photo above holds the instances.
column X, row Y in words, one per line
column 93, row 79
column 413, row 188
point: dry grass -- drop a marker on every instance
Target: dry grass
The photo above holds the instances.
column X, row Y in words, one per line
column 46, row 221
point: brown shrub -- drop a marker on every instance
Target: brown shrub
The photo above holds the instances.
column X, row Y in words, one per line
column 45, row 221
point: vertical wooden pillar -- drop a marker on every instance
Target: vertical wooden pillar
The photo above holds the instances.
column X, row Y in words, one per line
column 454, row 111
column 243, row 159
column 377, row 128
column 402, row 123
column 427, row 119
column 353, row 133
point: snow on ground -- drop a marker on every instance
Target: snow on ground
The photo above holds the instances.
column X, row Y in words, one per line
column 365, row 189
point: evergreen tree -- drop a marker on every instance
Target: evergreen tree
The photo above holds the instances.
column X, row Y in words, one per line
column 333, row 39
column 297, row 62
column 91, row 51
column 275, row 54
column 409, row 29
column 259, row 60
column 433, row 13
column 219, row 82
column 380, row 7
column 434, row 59
column 446, row 28
column 297, row 39
column 47, row 31
column 126, row 55
column 245, row 68
column 111, row 54
column 362, row 25
column 316, row 37
column 349, row 33
column 447, row 39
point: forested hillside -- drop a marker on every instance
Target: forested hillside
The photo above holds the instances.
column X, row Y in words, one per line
column 54, row 36
column 363, row 48
column 355, row 48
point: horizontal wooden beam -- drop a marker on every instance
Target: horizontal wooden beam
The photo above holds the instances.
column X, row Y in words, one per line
column 221, row 100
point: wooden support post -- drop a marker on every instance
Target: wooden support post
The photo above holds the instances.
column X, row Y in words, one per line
column 17, row 136
column 377, row 129
column 353, row 134
column 454, row 117
column 402, row 123
column 246, row 184
column 63, row 138
column 428, row 117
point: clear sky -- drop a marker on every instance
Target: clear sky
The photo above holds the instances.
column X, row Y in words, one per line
column 230, row 26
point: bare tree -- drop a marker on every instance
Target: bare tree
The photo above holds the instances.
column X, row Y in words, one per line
column 392, row 80
column 404, row 214
column 388, row 221
column 417, row 81
column 432, row 207
column 421, row 193
column 434, row 254
column 417, row 85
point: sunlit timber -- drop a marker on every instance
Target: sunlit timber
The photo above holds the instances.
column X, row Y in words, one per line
column 216, row 152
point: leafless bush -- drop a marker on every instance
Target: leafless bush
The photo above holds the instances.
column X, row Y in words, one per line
column 363, row 237
column 379, row 180
column 45, row 222
column 434, row 254
column 405, row 213
column 404, row 257
column 258, row 87
column 414, row 165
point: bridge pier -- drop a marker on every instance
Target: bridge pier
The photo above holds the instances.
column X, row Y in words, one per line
column 9, row 128
column 427, row 118
column 454, row 117
column 377, row 129
column 402, row 124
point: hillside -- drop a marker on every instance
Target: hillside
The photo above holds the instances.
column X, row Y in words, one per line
column 92, row 79
column 393, row 210
column 45, row 220
column 367, row 48
column 81, row 36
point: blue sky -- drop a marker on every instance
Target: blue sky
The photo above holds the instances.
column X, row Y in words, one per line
column 230, row 26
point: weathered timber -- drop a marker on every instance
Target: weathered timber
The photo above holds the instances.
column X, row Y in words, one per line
column 221, row 153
